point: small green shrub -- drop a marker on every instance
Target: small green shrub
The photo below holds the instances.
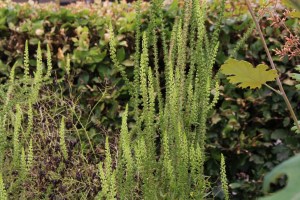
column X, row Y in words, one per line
column 18, row 94
column 162, row 154
column 33, row 126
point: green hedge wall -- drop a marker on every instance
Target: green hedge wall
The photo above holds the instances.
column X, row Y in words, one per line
column 82, row 34
column 251, row 128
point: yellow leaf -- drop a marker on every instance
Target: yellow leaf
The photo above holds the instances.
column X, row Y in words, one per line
column 245, row 75
column 295, row 14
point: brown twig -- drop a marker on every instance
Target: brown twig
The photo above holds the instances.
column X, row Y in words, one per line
column 283, row 94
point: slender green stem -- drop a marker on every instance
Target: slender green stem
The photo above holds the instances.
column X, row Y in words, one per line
column 273, row 89
column 91, row 112
column 84, row 129
column 283, row 94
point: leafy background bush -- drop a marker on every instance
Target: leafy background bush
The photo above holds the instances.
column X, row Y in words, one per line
column 255, row 124
column 251, row 128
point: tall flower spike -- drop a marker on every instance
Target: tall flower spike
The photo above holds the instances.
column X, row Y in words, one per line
column 30, row 119
column 3, row 193
column 62, row 142
column 68, row 65
column 143, row 70
column 16, row 142
column 30, row 156
column 224, row 178
column 12, row 74
column 49, row 63
column 23, row 166
column 113, row 55
column 37, row 75
column 136, row 77
column 107, row 176
column 26, row 61
column 39, row 65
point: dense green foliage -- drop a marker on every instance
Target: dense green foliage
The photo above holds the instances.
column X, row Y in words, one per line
column 162, row 155
column 251, row 128
column 288, row 171
column 84, row 36
column 41, row 157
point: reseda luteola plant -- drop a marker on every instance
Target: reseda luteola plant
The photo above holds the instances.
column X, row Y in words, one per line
column 162, row 155
column 19, row 96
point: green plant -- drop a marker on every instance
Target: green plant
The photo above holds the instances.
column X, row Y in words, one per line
column 162, row 155
column 107, row 176
column 244, row 125
column 30, row 135
column 3, row 194
column 20, row 94
column 16, row 135
column 30, row 156
column 224, row 178
column 23, row 165
column 62, row 142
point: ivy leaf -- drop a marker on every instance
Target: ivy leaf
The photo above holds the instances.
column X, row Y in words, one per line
column 245, row 75
column 290, row 168
column 296, row 76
